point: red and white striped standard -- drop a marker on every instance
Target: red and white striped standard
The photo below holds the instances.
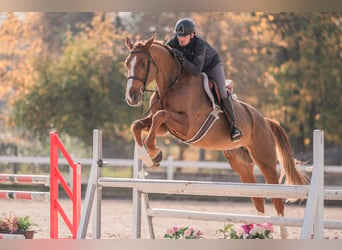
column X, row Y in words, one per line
column 24, row 195
column 24, row 179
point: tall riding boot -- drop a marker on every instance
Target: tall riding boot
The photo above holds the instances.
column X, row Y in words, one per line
column 227, row 107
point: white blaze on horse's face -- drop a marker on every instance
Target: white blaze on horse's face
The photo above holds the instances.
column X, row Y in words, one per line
column 130, row 81
column 133, row 95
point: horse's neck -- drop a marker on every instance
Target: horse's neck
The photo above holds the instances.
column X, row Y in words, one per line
column 167, row 67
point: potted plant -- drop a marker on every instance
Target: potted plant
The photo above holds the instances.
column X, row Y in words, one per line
column 13, row 224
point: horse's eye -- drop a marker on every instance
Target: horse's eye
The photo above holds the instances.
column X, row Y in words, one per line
column 143, row 65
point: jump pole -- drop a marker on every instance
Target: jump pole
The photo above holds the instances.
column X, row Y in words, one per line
column 24, row 180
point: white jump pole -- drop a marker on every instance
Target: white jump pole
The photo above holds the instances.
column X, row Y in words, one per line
column 93, row 192
column 313, row 218
column 137, row 197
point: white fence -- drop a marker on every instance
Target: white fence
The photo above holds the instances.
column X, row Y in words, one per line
column 170, row 164
column 315, row 194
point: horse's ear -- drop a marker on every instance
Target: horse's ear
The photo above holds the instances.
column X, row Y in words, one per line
column 129, row 43
column 150, row 41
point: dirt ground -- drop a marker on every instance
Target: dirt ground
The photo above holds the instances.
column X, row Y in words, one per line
column 117, row 217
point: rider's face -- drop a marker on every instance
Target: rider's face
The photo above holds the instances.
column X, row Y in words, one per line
column 184, row 40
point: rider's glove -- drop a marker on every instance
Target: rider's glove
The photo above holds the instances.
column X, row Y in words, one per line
column 178, row 54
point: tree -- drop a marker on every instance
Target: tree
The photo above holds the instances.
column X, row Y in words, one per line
column 308, row 69
column 81, row 90
column 143, row 25
column 20, row 43
column 54, row 25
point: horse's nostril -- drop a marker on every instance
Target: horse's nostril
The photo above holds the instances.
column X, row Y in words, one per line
column 134, row 97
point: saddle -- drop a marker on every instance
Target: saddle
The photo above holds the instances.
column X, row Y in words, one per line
column 211, row 90
column 210, row 87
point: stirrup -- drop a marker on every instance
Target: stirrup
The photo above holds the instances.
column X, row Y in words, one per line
column 236, row 134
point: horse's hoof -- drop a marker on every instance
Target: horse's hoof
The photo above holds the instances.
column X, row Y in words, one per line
column 158, row 158
column 156, row 165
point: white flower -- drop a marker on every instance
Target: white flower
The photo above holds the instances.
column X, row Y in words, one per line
column 256, row 230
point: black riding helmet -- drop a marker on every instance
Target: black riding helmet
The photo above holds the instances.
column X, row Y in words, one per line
column 184, row 26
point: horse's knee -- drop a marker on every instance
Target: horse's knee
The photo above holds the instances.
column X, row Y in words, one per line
column 136, row 126
column 136, row 131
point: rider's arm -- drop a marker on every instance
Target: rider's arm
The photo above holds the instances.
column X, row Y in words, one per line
column 196, row 65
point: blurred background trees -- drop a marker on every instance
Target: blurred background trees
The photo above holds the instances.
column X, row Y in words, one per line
column 64, row 72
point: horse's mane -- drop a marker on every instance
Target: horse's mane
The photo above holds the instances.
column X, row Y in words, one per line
column 140, row 44
column 161, row 43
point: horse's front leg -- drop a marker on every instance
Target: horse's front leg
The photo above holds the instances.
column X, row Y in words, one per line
column 137, row 127
column 174, row 121
column 141, row 125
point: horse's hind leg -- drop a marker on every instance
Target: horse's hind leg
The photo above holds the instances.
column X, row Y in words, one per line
column 266, row 158
column 241, row 163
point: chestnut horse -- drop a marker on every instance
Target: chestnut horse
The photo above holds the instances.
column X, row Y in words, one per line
column 180, row 105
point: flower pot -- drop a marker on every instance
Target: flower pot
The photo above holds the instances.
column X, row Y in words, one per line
column 28, row 234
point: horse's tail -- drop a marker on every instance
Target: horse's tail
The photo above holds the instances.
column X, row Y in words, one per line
column 285, row 156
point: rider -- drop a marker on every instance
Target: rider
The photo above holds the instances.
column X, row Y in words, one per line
column 197, row 56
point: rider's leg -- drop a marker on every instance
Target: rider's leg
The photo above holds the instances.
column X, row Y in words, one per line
column 227, row 106
column 217, row 73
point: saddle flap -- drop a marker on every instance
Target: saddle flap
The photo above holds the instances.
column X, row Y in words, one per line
column 211, row 89
column 208, row 85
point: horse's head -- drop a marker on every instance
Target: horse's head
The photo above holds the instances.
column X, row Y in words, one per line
column 140, row 70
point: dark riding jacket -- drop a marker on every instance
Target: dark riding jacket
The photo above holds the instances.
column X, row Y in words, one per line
column 199, row 56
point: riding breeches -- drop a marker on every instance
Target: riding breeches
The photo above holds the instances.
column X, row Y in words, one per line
column 218, row 75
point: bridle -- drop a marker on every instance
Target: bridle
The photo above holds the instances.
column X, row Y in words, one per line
column 144, row 80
